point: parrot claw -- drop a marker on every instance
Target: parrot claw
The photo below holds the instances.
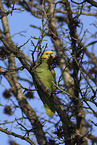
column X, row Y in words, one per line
column 47, row 88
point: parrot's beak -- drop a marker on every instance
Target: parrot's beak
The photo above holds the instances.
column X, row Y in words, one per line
column 53, row 60
column 53, row 55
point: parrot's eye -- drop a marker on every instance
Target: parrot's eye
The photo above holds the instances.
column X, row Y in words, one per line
column 46, row 53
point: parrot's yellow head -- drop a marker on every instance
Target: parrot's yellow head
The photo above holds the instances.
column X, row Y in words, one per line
column 48, row 54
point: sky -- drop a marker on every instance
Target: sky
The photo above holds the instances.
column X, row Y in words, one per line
column 20, row 21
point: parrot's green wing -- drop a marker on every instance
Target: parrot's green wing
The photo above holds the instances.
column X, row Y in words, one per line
column 47, row 77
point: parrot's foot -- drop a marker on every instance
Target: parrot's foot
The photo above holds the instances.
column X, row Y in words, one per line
column 46, row 88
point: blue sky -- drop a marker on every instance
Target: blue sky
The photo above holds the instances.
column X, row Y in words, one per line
column 20, row 21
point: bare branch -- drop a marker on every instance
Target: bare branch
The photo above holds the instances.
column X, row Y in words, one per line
column 17, row 135
column 92, row 2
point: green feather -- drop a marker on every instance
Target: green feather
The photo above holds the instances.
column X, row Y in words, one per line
column 48, row 79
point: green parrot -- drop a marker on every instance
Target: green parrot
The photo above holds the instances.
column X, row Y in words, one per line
column 47, row 77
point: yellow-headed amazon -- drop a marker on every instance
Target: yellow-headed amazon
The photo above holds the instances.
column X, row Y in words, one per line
column 47, row 76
